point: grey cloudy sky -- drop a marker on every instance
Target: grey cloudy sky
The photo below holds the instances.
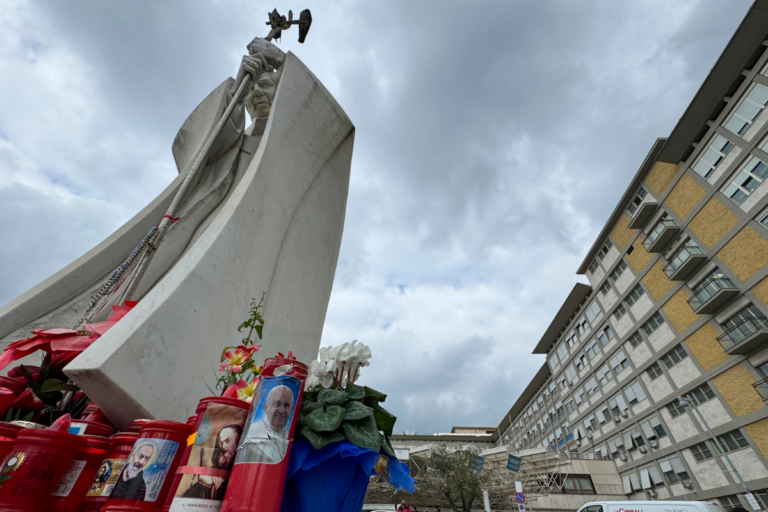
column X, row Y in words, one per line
column 493, row 140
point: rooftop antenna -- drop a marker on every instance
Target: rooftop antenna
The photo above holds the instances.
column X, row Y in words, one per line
column 280, row 23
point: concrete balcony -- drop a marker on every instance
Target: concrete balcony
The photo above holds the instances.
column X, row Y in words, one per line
column 643, row 214
column 684, row 263
column 745, row 337
column 712, row 294
column 664, row 232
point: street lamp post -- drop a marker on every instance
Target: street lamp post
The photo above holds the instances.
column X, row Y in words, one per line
column 687, row 401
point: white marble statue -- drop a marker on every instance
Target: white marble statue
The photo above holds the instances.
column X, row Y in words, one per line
column 265, row 214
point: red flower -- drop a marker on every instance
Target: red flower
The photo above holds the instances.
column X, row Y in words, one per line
column 63, row 344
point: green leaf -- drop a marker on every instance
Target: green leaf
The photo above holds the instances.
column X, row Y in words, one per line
column 51, row 385
column 377, row 395
column 319, row 441
column 309, row 406
column 326, row 421
column 387, row 446
column 355, row 392
column 28, row 416
column 364, row 434
column 332, row 396
column 385, row 420
column 259, row 329
column 358, row 411
column 303, row 420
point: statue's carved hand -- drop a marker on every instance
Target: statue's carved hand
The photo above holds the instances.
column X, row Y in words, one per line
column 254, row 65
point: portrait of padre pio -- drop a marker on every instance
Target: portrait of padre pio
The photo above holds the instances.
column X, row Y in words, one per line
column 213, row 453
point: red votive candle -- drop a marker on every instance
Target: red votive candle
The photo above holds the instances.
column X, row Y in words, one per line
column 202, row 476
column 34, row 466
column 261, row 464
column 145, row 479
column 74, row 483
column 108, row 471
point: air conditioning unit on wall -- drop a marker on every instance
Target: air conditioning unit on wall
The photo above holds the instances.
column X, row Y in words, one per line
column 643, row 449
column 654, row 443
column 687, row 484
column 651, row 493
column 625, row 413
column 623, row 457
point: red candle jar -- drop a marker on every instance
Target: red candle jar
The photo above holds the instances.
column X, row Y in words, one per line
column 261, row 464
column 8, row 434
column 191, row 421
column 108, row 471
column 77, row 479
column 34, row 466
column 92, row 428
column 147, row 475
column 137, row 425
column 201, row 479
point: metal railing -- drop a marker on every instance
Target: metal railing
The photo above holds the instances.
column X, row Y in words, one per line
column 658, row 230
column 681, row 257
column 708, row 289
column 742, row 330
column 761, row 387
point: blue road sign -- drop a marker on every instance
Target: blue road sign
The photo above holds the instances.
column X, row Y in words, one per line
column 520, row 497
column 513, row 463
column 476, row 463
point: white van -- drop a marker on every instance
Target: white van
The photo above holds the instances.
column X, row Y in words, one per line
column 651, row 506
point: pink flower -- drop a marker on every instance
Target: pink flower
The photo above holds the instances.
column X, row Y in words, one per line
column 234, row 361
column 246, row 391
column 251, row 349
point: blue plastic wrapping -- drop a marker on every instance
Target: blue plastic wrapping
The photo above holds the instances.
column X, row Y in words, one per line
column 335, row 478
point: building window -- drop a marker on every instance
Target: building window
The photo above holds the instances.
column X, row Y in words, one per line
column 653, row 323
column 732, row 441
column 673, row 470
column 562, row 351
column 593, row 350
column 635, row 295
column 764, row 220
column 675, row 409
column 581, row 362
column 591, row 386
column 701, row 451
column 654, row 371
column 620, row 268
column 593, row 311
column 619, row 362
column 713, row 155
column 605, row 288
column 681, row 256
column 562, row 382
column 748, row 110
column 552, row 360
column 570, row 407
column 604, row 374
column 635, row 393
column 604, row 251
column 653, row 428
column 730, row 502
column 619, row 312
column 746, row 181
column 674, row 356
column 617, row 405
column 578, row 484
column 570, row 373
column 636, row 339
column 571, row 339
column 581, row 326
column 606, row 335
column 702, row 394
column 593, row 266
column 637, row 201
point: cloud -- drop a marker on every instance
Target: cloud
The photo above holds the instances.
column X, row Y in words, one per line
column 491, row 146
